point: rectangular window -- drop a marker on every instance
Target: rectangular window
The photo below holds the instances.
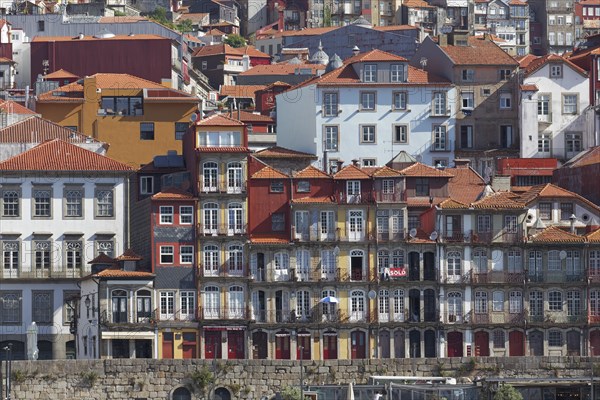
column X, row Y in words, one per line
column 166, row 254
column 146, row 185
column 10, row 308
column 278, row 222
column 42, row 205
column 555, row 301
column 467, row 100
column 468, row 75
column 330, row 104
column 124, row 106
column 370, row 73
column 369, row 162
column 303, row 187
column 10, row 255
column 505, row 101
column 180, row 129
column 484, row 223
column 42, row 308
column 70, row 302
column 439, row 103
column 400, row 134
column 499, row 339
column 399, row 100
column 166, row 214
column 498, row 301
column 439, row 138
column 506, row 136
column 566, row 210
column 73, row 202
column 186, row 254
column 146, row 130
column 41, row 26
column 569, row 104
column 367, row 101
column 573, row 142
column 73, row 253
column 466, row 136
column 167, row 305
column 505, row 74
column 42, row 254
column 331, row 138
column 186, row 215
column 555, row 339
column 277, row 187
column 397, row 73
column 388, row 186
column 104, row 203
column 11, row 200
column 353, row 188
column 544, row 141
column 105, row 247
column 421, row 187
column 545, row 211
column 367, row 134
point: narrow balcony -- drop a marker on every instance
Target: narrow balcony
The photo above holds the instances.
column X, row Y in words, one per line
column 221, row 230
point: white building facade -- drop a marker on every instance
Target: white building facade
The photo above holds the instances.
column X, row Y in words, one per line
column 369, row 109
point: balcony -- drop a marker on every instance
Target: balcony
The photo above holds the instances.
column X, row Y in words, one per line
column 396, row 197
column 545, row 118
column 315, row 236
column 363, row 198
column 391, row 236
column 497, row 236
column 393, row 316
column 221, row 230
column 453, row 237
column 441, row 146
column 222, row 187
column 222, row 270
column 43, row 273
column 498, row 277
column 458, row 279
column 454, row 318
column 318, row 314
column 237, row 313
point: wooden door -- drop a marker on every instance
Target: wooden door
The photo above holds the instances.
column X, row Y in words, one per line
column 358, row 345
column 430, row 347
column 482, row 344
column 330, row 349
column 212, row 345
column 595, row 343
column 282, row 346
column 516, row 343
column 455, row 344
column 167, row 345
column 189, row 345
column 536, row 343
column 384, row 344
column 303, row 347
column 259, row 346
column 399, row 345
column 235, row 345
column 573, row 343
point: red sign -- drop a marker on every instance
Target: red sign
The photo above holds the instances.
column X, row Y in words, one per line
column 397, row 272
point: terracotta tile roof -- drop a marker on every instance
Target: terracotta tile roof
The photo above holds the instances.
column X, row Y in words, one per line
column 269, row 240
column 499, row 200
column 450, row 204
column 269, row 173
column 39, row 39
column 309, row 31
column 282, row 152
column 215, row 32
column 479, row 51
column 192, row 38
column 240, row 90
column 39, row 130
column 416, row 4
column 588, row 157
column 277, row 84
column 550, row 190
column 553, row 234
column 172, row 193
column 12, row 107
column 119, row 273
column 525, row 60
column 351, row 172
column 311, row 172
column 282, row 69
column 518, row 2
column 226, row 49
column 423, row 201
column 121, row 20
column 530, row 65
column 61, row 74
column 375, row 55
column 218, row 120
column 386, row 172
column 231, row 149
column 129, row 255
column 465, row 185
column 194, row 17
column 425, row 171
column 387, row 28
column 315, row 200
column 593, row 237
column 530, row 87
column 102, row 259
column 247, row 117
column 58, row 155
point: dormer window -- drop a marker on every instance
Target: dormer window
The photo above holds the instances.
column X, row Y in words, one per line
column 370, row 73
column 397, row 73
column 556, row 71
column 468, row 75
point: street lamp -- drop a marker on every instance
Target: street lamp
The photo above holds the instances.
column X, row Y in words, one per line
column 301, row 348
column 8, row 370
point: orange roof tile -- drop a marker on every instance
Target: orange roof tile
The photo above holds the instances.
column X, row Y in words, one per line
column 245, row 116
column 282, row 69
column 12, row 107
column 282, row 152
column 311, row 172
column 58, row 155
column 37, row 130
column 102, row 259
column 226, row 49
column 530, row 87
column 375, row 55
column 530, row 65
column 452, row 205
column 386, row 172
column 593, row 237
column 500, row 200
column 550, row 190
column 172, row 193
column 479, row 51
column 269, row 173
column 416, row 4
column 119, row 273
column 218, row 120
column 92, row 38
column 351, row 172
column 240, row 90
column 269, row 240
column 588, row 157
column 129, row 255
column 315, row 200
column 553, row 234
column 215, row 32
column 423, row 201
column 421, row 170
column 61, row 74
column 465, row 185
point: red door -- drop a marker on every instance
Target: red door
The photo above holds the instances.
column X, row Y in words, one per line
column 189, row 345
column 167, row 345
column 455, row 344
column 212, row 345
column 595, row 342
column 303, row 348
column 482, row 344
column 282, row 346
column 358, row 346
column 516, row 343
column 330, row 346
column 235, row 345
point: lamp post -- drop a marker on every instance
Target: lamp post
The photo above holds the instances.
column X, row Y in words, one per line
column 8, row 370
column 301, row 348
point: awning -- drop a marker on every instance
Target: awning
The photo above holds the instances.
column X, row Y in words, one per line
column 224, row 328
column 284, row 334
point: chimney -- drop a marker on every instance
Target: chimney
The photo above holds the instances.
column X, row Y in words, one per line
column 462, row 162
column 443, row 40
column 573, row 219
column 339, row 164
column 355, row 162
column 501, row 183
column 355, row 50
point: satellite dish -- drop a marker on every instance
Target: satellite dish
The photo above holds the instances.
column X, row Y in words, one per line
column 562, row 255
column 446, row 28
column 413, row 233
column 433, row 236
column 194, row 117
column 372, row 294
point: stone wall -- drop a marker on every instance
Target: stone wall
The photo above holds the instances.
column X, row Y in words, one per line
column 253, row 379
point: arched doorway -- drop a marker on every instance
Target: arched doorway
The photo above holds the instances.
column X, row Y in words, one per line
column 330, row 348
column 482, row 344
column 222, row 394
column 181, row 393
column 384, row 344
column 429, row 338
column 358, row 343
column 282, row 345
column 259, row 345
column 573, row 343
column 70, row 350
column 428, row 266
column 399, row 351
column 414, row 338
column 516, row 344
column 356, row 265
column 455, row 344
column 595, row 343
column 536, row 343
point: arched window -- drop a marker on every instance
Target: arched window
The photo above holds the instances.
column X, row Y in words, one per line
column 481, row 305
column 281, row 261
column 211, row 260
column 144, row 305
column 210, row 218
column 119, row 306
column 383, row 260
column 398, row 258
column 594, row 266
column 212, row 302
column 181, row 393
column 480, row 261
column 595, row 303
column 454, row 267
column 210, row 174
column 329, row 308
column 234, row 177
column 236, row 302
column 454, row 307
column 357, row 305
column 235, row 220
column 384, row 305
column 398, row 304
column 235, row 259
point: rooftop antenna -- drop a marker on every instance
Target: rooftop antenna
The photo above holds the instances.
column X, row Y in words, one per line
column 423, row 62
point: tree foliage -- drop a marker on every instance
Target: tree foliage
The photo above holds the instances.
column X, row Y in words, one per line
column 160, row 15
column 507, row 392
column 235, row 40
column 290, row 393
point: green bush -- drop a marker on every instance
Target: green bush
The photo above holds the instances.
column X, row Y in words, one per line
column 507, row 392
